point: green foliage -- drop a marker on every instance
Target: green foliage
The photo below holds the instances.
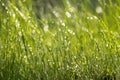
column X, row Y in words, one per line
column 78, row 41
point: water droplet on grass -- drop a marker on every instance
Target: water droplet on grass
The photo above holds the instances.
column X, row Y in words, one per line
column 17, row 23
column 3, row 4
column 25, row 57
column 69, row 43
column 91, row 18
column 5, row 21
column 30, row 49
column 71, row 32
column 59, row 29
column 22, row 46
column 96, row 65
column 75, row 57
column 76, row 67
column 6, row 8
column 63, row 24
column 1, row 47
column 95, row 17
column 88, row 17
column 68, row 14
column 99, row 9
column 13, row 15
column 20, row 33
column 33, row 31
column 106, row 45
column 7, row 12
column 29, row 21
column 46, row 28
column 56, row 13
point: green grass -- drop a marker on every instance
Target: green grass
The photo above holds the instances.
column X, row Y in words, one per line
column 69, row 43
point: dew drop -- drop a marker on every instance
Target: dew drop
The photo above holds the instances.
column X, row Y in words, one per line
column 3, row 4
column 106, row 45
column 56, row 13
column 6, row 8
column 20, row 33
column 46, row 28
column 33, row 31
column 63, row 24
column 99, row 10
column 68, row 14
column 95, row 17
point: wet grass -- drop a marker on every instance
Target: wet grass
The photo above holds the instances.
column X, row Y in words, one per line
column 65, row 44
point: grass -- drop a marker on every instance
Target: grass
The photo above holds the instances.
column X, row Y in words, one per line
column 69, row 43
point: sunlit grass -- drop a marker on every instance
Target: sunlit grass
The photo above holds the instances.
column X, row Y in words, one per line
column 75, row 42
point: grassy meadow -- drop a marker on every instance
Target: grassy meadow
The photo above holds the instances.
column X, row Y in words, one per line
column 60, row 40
